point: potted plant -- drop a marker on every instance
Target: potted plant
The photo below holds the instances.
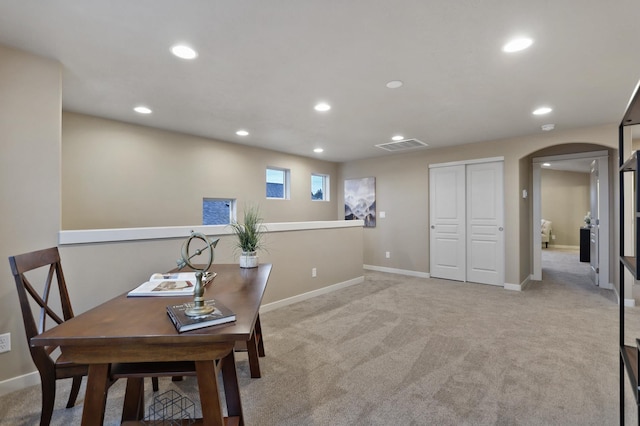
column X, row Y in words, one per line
column 250, row 234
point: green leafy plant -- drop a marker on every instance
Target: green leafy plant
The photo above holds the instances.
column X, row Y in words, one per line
column 250, row 232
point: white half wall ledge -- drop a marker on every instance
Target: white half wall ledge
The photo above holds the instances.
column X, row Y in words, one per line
column 89, row 236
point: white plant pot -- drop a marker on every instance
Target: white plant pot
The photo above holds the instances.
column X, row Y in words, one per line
column 248, row 260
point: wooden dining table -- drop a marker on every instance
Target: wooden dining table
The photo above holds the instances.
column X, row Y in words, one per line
column 138, row 329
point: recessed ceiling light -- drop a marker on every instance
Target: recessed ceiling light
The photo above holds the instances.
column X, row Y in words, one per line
column 142, row 110
column 394, row 84
column 184, row 52
column 397, row 138
column 517, row 45
column 318, row 150
column 322, row 107
column 242, row 133
column 546, row 164
column 542, row 111
column 548, row 127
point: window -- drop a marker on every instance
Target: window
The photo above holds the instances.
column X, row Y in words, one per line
column 217, row 211
column 319, row 187
column 277, row 183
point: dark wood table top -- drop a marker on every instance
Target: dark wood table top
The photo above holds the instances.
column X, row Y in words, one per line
column 127, row 321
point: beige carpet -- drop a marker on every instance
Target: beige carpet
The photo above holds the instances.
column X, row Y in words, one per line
column 398, row 350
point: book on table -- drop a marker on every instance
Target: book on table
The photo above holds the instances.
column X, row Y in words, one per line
column 183, row 322
column 171, row 284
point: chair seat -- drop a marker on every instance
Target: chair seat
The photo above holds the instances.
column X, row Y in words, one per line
column 65, row 368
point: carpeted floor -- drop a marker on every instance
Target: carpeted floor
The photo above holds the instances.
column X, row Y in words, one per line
column 399, row 350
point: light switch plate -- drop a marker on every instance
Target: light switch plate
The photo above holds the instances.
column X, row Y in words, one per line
column 5, row 342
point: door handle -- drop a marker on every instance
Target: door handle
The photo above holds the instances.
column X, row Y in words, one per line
column 433, row 227
column 501, row 229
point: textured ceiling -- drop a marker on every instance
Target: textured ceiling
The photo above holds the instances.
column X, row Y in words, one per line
column 263, row 65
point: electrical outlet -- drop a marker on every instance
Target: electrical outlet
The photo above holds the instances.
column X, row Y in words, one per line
column 313, row 273
column 5, row 342
column 388, row 255
column 553, row 237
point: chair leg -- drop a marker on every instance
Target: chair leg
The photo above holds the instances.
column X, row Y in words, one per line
column 75, row 389
column 154, row 384
column 48, row 386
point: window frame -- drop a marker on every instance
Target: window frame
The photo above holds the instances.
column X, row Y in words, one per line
column 325, row 186
column 286, row 191
column 232, row 209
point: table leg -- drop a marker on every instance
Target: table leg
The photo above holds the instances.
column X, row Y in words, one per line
column 133, row 407
column 257, row 330
column 231, row 388
column 255, row 348
column 96, row 395
column 252, row 354
column 209, row 397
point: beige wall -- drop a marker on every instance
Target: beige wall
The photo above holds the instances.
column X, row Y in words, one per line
column 30, row 105
column 336, row 253
column 402, row 193
column 119, row 175
column 565, row 202
column 525, row 216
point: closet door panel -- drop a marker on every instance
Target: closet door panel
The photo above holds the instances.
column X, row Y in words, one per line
column 485, row 223
column 447, row 222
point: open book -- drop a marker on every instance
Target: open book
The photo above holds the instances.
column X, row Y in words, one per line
column 172, row 284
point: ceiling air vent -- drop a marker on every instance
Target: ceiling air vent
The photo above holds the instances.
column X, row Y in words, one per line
column 402, row 145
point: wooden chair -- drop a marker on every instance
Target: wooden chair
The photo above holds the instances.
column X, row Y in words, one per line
column 51, row 365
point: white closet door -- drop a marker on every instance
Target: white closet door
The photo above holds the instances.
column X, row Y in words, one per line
column 485, row 223
column 447, row 219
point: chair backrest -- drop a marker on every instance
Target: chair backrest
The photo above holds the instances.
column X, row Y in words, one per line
column 58, row 310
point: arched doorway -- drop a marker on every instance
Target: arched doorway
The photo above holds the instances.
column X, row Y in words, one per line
column 600, row 190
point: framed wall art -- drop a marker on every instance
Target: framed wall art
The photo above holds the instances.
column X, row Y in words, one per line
column 360, row 200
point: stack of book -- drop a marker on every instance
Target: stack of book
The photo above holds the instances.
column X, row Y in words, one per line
column 183, row 322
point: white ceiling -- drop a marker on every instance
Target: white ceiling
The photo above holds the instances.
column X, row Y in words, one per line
column 263, row 65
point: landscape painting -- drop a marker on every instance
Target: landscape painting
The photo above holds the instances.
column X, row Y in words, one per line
column 360, row 200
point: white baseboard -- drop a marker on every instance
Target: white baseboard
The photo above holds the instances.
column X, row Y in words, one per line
column 607, row 286
column 631, row 303
column 308, row 295
column 518, row 287
column 397, row 271
column 559, row 246
column 507, row 286
column 18, row 383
